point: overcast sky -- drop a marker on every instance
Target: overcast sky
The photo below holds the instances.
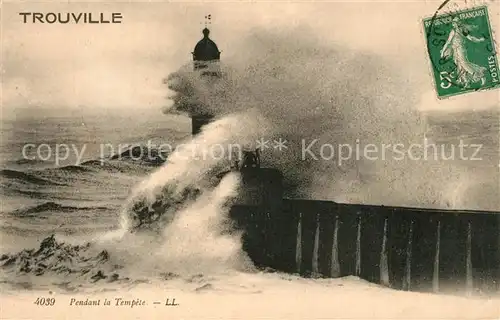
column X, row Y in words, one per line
column 120, row 66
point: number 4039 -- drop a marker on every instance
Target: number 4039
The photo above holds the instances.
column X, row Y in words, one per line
column 45, row 301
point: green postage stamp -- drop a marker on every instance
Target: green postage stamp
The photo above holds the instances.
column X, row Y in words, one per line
column 461, row 51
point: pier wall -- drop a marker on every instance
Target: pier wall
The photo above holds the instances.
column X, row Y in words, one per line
column 402, row 248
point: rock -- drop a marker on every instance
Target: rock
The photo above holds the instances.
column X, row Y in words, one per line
column 169, row 275
column 10, row 261
column 47, row 245
column 114, row 277
column 98, row 276
column 103, row 256
column 54, row 257
column 204, row 287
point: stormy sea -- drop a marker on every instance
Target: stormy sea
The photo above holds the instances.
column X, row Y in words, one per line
column 96, row 201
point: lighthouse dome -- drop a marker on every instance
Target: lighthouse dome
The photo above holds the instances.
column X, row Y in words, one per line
column 206, row 49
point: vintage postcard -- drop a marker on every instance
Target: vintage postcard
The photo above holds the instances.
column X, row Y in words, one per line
column 250, row 160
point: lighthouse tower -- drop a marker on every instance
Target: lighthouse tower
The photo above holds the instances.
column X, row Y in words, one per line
column 206, row 58
column 261, row 186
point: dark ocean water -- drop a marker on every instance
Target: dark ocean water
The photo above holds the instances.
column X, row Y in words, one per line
column 81, row 198
column 75, row 193
column 82, row 194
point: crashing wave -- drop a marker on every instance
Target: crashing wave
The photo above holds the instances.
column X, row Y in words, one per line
column 155, row 215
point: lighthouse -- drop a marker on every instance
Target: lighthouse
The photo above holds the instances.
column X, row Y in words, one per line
column 260, row 190
column 206, row 55
column 261, row 187
column 206, row 58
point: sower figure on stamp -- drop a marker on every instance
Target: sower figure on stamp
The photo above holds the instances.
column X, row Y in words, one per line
column 467, row 72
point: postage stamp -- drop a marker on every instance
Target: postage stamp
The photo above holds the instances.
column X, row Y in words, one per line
column 462, row 51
